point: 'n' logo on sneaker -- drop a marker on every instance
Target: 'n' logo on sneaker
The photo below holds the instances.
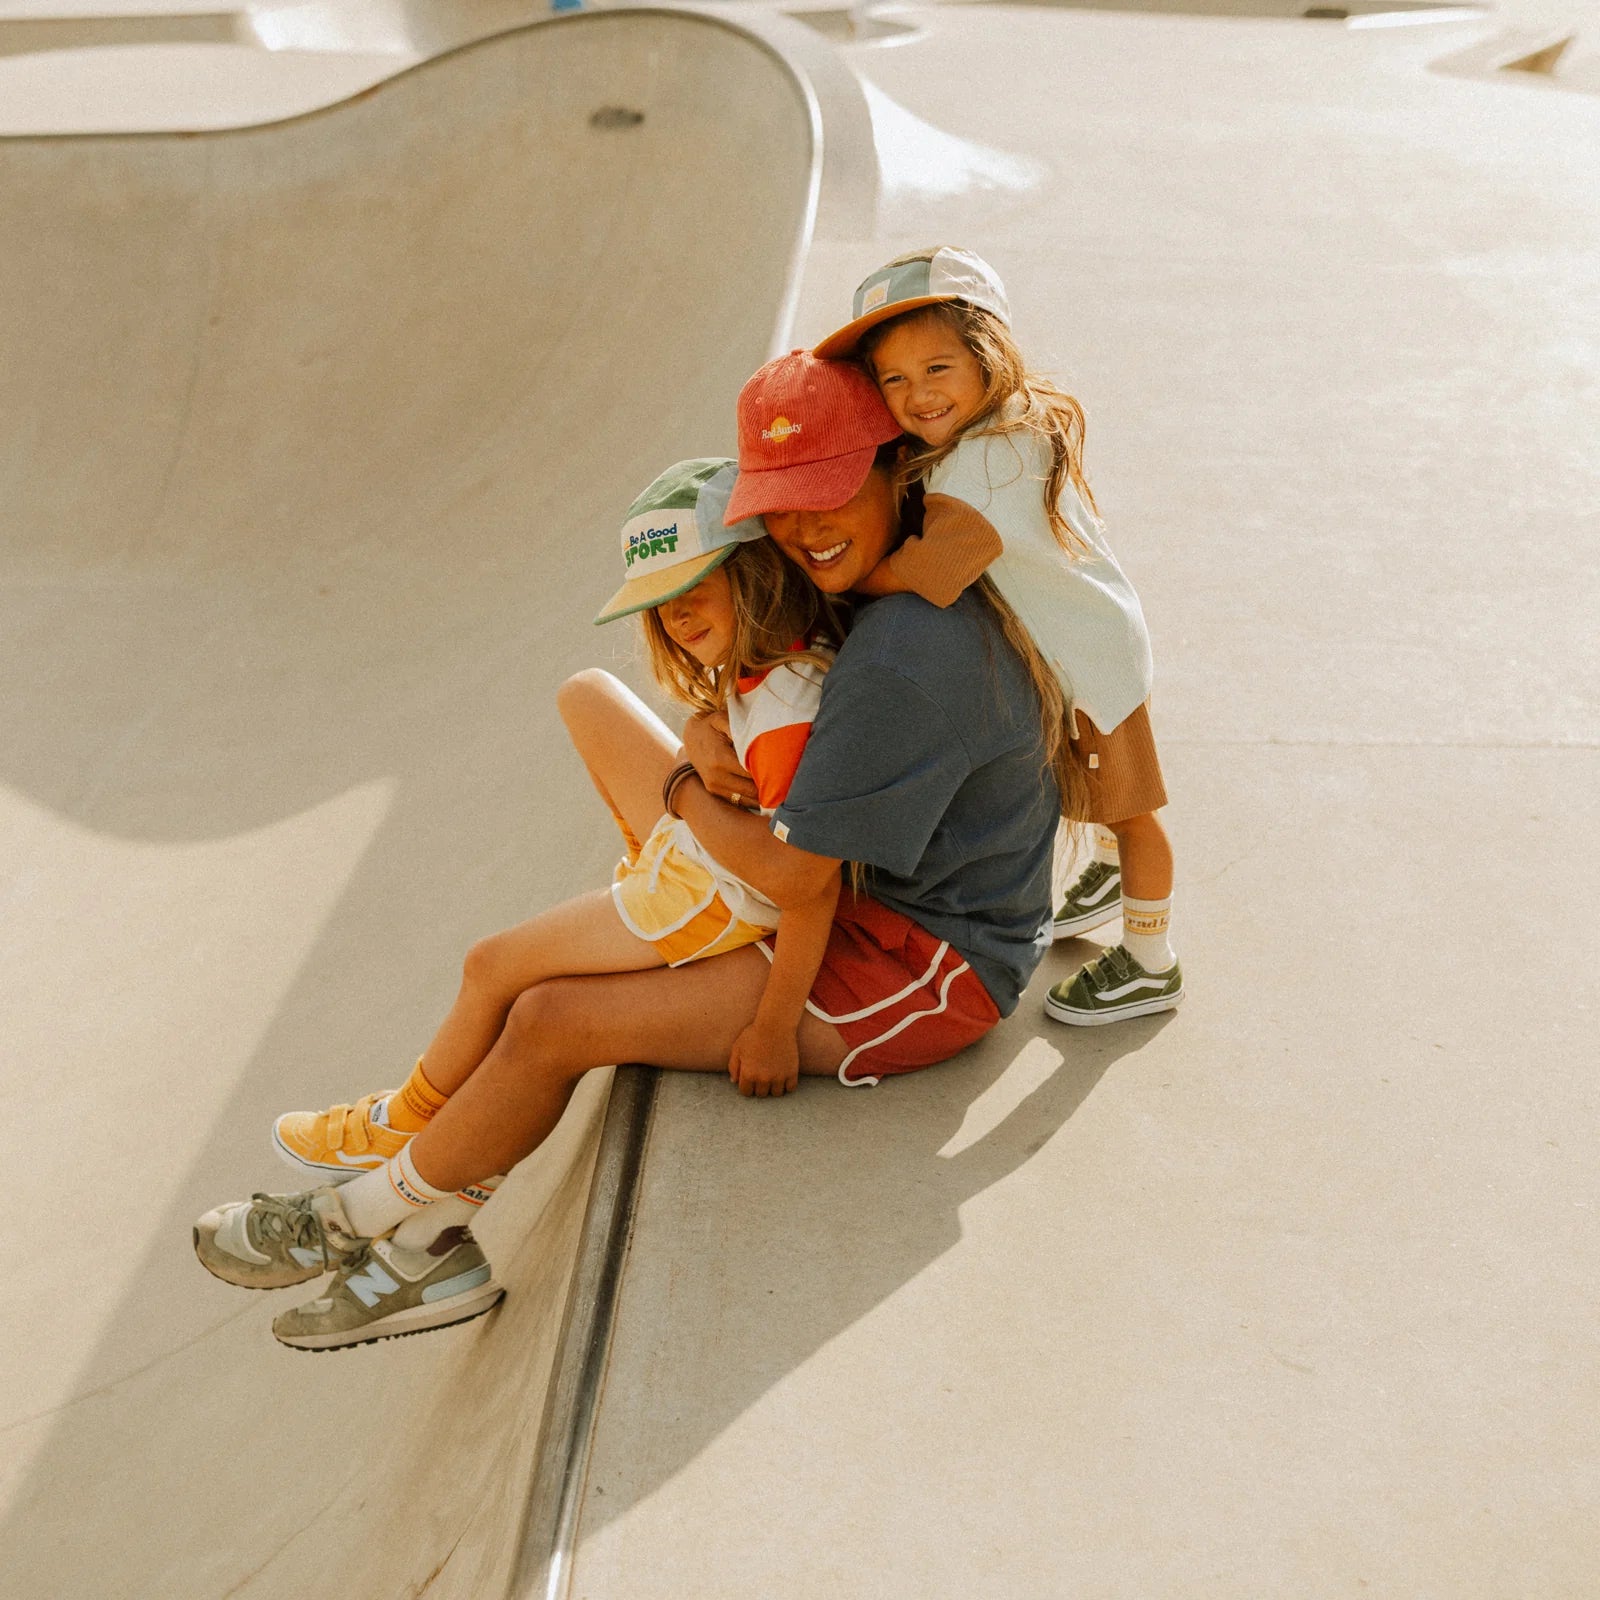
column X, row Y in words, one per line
column 370, row 1284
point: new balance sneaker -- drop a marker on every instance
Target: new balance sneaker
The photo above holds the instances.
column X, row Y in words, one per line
column 271, row 1241
column 340, row 1143
column 1113, row 987
column 385, row 1292
column 1091, row 902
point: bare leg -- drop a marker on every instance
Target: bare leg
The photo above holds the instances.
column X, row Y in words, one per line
column 1146, row 857
column 582, row 935
column 627, row 748
column 680, row 1017
column 629, row 751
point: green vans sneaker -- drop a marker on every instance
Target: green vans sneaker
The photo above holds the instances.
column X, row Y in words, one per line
column 1114, row 987
column 385, row 1292
column 1093, row 900
column 271, row 1241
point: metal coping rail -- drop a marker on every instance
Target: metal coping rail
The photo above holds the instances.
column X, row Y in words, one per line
column 543, row 1564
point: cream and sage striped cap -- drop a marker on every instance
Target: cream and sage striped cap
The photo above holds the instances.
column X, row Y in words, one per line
column 891, row 291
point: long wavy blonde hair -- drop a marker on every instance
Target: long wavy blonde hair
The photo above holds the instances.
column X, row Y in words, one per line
column 1054, row 733
column 1058, row 752
column 775, row 607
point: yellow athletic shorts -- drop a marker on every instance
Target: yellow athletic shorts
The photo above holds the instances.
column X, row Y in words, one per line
column 670, row 900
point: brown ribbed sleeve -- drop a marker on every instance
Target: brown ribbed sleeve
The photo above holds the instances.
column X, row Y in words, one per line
column 956, row 544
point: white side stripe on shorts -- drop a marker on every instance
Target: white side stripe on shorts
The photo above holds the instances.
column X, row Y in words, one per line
column 905, row 1022
column 877, row 1005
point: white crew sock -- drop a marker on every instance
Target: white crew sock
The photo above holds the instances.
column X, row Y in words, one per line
column 1105, row 846
column 387, row 1195
column 1144, row 932
column 421, row 1228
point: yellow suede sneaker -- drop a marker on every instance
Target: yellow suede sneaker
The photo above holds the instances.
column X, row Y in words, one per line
column 339, row 1143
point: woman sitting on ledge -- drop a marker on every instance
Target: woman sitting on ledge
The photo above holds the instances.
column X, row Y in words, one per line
column 932, row 767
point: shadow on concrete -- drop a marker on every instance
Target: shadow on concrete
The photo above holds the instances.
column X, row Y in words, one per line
column 765, row 1231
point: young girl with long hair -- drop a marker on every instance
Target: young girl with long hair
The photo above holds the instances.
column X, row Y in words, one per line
column 1007, row 506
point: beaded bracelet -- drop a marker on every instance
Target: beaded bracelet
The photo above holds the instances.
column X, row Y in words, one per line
column 674, row 781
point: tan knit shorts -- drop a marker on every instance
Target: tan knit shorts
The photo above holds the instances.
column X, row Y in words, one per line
column 1121, row 769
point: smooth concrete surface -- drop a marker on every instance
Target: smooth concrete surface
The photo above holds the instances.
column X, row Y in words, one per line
column 313, row 444
column 1291, row 1293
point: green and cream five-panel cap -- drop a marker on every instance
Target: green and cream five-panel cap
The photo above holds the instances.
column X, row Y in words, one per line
column 673, row 535
column 891, row 291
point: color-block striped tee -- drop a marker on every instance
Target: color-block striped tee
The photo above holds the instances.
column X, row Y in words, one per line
column 769, row 720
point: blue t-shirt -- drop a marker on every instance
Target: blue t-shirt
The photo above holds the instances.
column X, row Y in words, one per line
column 926, row 764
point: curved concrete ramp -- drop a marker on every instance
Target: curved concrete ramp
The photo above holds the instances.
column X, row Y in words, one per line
column 314, row 440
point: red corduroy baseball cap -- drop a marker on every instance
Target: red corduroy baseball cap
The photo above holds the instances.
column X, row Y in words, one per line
column 808, row 431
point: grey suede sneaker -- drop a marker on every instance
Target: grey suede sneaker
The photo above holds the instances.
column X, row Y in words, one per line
column 271, row 1241
column 1092, row 901
column 384, row 1292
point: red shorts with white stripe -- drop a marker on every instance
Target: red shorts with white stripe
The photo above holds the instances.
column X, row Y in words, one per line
column 902, row 998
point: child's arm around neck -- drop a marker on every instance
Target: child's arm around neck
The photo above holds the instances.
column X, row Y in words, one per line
column 948, row 547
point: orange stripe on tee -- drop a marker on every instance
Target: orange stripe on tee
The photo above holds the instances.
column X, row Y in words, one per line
column 772, row 759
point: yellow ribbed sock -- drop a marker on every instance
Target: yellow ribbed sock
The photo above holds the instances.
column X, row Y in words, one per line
column 411, row 1107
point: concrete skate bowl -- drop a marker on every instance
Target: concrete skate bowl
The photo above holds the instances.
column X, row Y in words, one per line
column 315, row 437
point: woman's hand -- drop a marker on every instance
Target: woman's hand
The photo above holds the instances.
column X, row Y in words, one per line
column 765, row 1061
column 706, row 743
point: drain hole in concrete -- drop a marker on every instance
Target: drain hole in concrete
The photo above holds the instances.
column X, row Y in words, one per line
column 1329, row 13
column 615, row 117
